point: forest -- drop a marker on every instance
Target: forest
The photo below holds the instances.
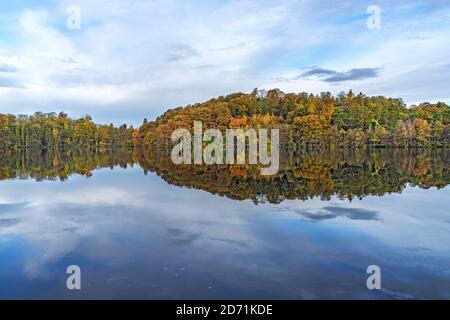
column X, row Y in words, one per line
column 59, row 131
column 347, row 120
column 304, row 120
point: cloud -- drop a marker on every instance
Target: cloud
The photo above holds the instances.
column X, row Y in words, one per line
column 331, row 76
column 180, row 52
column 7, row 68
column 281, row 79
column 332, row 212
column 238, row 243
column 236, row 46
column 353, row 213
column 6, row 82
column 318, row 72
column 4, row 223
column 135, row 61
column 10, row 207
column 180, row 237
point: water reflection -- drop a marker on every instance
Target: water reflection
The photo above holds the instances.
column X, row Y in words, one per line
column 331, row 212
column 345, row 173
column 137, row 236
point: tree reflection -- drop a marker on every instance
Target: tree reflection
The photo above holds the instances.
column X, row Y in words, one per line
column 347, row 174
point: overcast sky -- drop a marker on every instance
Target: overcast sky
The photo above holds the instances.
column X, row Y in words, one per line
column 132, row 59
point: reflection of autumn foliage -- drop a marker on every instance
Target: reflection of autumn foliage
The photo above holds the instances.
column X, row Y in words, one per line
column 421, row 168
column 344, row 173
column 315, row 173
column 237, row 170
column 59, row 165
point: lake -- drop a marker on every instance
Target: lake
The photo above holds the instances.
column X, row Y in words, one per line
column 140, row 227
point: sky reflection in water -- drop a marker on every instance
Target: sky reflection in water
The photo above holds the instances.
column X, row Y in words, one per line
column 136, row 236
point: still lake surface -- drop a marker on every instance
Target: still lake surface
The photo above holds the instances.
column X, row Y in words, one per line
column 140, row 227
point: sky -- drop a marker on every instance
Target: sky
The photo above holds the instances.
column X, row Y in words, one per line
column 122, row 61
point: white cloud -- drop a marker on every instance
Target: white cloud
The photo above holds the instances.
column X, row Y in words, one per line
column 135, row 61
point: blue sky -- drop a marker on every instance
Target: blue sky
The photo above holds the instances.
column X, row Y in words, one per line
column 134, row 59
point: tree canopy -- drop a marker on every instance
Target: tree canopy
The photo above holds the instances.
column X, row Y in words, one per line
column 346, row 120
column 306, row 119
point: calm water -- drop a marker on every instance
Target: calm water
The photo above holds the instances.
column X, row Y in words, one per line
column 139, row 227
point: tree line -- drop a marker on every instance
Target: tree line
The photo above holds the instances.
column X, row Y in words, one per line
column 346, row 120
column 59, row 131
column 314, row 120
